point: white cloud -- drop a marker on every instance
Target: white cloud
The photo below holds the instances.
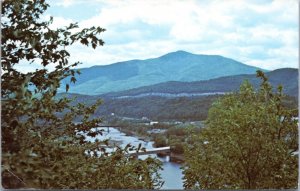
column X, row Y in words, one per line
column 271, row 63
column 60, row 22
column 67, row 3
column 256, row 32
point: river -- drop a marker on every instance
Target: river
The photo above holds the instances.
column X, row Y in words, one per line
column 171, row 174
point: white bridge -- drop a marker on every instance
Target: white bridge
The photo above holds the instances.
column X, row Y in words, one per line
column 150, row 151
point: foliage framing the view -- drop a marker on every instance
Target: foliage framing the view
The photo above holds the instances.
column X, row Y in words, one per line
column 40, row 147
column 249, row 143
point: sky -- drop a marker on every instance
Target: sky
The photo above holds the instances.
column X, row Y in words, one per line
column 262, row 33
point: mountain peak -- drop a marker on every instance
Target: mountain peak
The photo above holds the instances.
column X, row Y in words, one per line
column 181, row 52
column 177, row 53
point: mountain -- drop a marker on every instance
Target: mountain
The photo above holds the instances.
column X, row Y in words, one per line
column 288, row 77
column 177, row 100
column 176, row 66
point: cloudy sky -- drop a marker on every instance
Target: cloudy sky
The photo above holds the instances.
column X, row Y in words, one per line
column 261, row 33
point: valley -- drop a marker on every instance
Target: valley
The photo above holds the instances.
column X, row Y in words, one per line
column 168, row 111
column 149, row 95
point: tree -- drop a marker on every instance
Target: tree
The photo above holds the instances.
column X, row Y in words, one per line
column 41, row 147
column 249, row 142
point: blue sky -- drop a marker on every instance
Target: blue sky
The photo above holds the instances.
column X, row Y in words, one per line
column 261, row 33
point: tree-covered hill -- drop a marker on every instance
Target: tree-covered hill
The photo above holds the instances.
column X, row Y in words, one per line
column 288, row 77
column 175, row 66
column 165, row 107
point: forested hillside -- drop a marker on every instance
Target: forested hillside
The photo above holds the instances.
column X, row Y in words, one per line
column 175, row 66
column 288, row 77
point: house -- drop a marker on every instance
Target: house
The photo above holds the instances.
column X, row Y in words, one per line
column 153, row 122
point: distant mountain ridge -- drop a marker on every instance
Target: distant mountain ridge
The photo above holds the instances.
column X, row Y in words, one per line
column 288, row 77
column 175, row 66
column 183, row 100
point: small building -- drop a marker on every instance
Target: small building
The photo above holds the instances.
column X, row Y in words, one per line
column 153, row 122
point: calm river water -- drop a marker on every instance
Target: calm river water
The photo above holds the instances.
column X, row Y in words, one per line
column 172, row 174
